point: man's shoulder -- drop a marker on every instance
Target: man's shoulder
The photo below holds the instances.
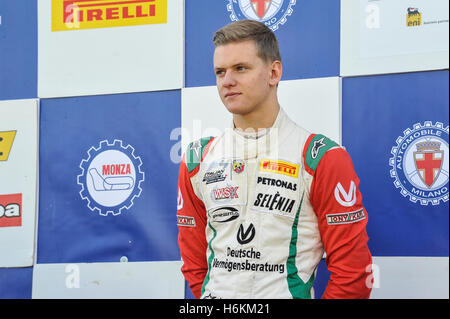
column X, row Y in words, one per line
column 316, row 146
column 196, row 151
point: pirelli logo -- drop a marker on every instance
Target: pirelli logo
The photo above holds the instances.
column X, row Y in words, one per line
column 70, row 15
column 279, row 167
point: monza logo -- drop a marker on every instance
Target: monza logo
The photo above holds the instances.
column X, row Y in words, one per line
column 91, row 14
column 11, row 210
column 6, row 142
column 420, row 163
column 272, row 13
column 110, row 178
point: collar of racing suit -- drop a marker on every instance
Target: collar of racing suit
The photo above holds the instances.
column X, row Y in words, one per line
column 251, row 134
column 252, row 143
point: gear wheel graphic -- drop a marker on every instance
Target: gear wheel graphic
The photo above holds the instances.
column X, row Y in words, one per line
column 93, row 152
column 238, row 8
column 403, row 179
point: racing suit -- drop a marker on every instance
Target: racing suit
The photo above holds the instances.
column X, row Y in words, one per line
column 256, row 213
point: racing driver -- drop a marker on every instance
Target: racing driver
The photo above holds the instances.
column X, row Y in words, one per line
column 259, row 204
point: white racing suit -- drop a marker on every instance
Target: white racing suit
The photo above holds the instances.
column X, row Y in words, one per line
column 255, row 215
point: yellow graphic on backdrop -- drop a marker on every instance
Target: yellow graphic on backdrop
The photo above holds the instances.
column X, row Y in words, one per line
column 92, row 14
column 6, row 142
column 413, row 17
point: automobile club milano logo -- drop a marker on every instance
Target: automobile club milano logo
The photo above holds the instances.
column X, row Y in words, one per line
column 420, row 163
column 272, row 13
column 110, row 178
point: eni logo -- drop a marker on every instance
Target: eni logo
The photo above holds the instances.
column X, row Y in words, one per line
column 413, row 17
column 92, row 14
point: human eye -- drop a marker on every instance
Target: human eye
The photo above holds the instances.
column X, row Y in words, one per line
column 219, row 72
column 241, row 68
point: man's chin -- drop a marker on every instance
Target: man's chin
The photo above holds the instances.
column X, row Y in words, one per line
column 237, row 110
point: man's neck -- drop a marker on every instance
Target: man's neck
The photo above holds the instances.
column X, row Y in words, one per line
column 256, row 121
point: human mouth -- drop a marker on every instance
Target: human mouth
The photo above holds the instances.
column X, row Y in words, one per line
column 232, row 94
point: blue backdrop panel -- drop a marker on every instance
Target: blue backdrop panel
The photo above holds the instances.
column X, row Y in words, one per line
column 72, row 152
column 309, row 39
column 18, row 49
column 16, row 283
column 376, row 111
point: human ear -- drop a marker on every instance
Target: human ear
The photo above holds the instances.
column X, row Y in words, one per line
column 276, row 71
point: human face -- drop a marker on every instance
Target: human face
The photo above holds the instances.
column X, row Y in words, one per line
column 245, row 82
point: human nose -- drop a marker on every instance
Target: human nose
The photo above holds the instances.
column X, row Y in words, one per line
column 228, row 79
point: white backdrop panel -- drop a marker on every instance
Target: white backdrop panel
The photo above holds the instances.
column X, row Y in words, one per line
column 18, row 176
column 410, row 278
column 376, row 38
column 110, row 60
column 127, row 280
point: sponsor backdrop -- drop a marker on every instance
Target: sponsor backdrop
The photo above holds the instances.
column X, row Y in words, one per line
column 90, row 145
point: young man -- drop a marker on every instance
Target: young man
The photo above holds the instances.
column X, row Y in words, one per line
column 259, row 204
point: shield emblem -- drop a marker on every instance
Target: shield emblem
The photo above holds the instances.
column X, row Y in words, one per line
column 238, row 166
column 260, row 7
column 428, row 165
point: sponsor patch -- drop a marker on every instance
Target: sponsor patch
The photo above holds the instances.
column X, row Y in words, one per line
column 345, row 218
column 224, row 193
column 275, row 203
column 244, row 236
column 238, row 166
column 221, row 185
column 216, row 172
column 279, row 167
column 186, row 221
column 240, row 259
column 276, row 182
column 346, row 199
column 224, row 214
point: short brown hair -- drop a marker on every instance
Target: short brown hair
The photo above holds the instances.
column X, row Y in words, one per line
column 244, row 30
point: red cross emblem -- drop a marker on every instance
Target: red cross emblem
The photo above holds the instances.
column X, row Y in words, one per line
column 261, row 7
column 428, row 165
